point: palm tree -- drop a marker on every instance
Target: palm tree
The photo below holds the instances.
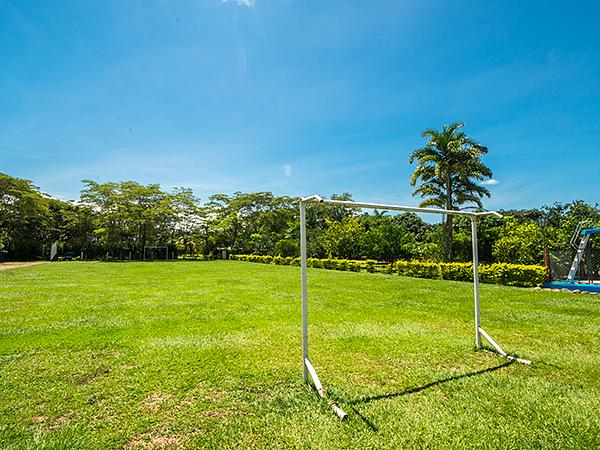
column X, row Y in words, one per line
column 449, row 172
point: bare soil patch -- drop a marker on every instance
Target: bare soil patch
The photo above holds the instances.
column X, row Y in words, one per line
column 16, row 265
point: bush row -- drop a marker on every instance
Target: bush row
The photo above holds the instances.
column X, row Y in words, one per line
column 328, row 263
column 498, row 273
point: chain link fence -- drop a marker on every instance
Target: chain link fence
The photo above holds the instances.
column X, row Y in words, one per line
column 560, row 261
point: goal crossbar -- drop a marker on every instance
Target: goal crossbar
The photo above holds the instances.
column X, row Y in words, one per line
column 309, row 370
column 415, row 209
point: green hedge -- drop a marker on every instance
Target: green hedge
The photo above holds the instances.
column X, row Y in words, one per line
column 499, row 273
column 335, row 264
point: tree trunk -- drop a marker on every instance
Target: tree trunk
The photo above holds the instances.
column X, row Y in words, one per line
column 142, row 243
column 448, row 234
column 448, row 230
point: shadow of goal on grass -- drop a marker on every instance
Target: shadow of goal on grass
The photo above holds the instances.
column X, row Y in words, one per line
column 413, row 390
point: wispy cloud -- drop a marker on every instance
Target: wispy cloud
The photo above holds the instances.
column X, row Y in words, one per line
column 287, row 169
column 246, row 3
column 490, row 182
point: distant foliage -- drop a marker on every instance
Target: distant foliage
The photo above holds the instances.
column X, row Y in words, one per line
column 130, row 216
column 24, row 215
column 343, row 238
column 31, row 221
column 519, row 243
column 116, row 220
column 388, row 241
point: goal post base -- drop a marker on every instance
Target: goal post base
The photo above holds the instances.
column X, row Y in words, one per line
column 319, row 387
column 499, row 349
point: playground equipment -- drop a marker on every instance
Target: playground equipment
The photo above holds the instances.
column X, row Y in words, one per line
column 575, row 280
column 584, row 234
column 309, row 370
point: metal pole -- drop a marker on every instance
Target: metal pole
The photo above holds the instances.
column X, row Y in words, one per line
column 476, row 279
column 319, row 387
column 352, row 204
column 543, row 225
column 304, row 293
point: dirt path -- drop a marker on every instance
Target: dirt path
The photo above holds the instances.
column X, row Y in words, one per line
column 15, row 265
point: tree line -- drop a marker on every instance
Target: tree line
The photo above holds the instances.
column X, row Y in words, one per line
column 116, row 220
column 119, row 220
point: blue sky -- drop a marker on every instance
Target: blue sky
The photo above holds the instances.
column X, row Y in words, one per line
column 299, row 97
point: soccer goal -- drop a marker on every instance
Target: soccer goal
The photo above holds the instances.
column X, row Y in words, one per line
column 309, row 370
column 156, row 254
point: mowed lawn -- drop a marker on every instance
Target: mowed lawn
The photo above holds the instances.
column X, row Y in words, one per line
column 208, row 354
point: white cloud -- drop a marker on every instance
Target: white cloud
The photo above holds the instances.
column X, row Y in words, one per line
column 490, row 182
column 287, row 169
column 246, row 3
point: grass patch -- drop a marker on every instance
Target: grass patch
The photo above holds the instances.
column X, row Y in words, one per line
column 207, row 355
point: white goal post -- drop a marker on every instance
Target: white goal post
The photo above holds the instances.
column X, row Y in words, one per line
column 309, row 370
column 161, row 248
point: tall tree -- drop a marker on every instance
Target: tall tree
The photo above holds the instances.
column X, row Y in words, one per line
column 24, row 218
column 132, row 215
column 248, row 223
column 449, row 172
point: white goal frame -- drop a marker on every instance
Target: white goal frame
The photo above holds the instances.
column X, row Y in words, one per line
column 309, row 370
column 159, row 247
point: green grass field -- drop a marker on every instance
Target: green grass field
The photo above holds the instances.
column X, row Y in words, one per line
column 208, row 354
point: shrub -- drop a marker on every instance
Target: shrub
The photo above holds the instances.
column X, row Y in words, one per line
column 457, row 271
column 354, row 266
column 499, row 273
column 342, row 264
column 329, row 263
column 314, row 262
column 282, row 260
column 513, row 274
column 421, row 269
column 388, row 268
column 370, row 265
